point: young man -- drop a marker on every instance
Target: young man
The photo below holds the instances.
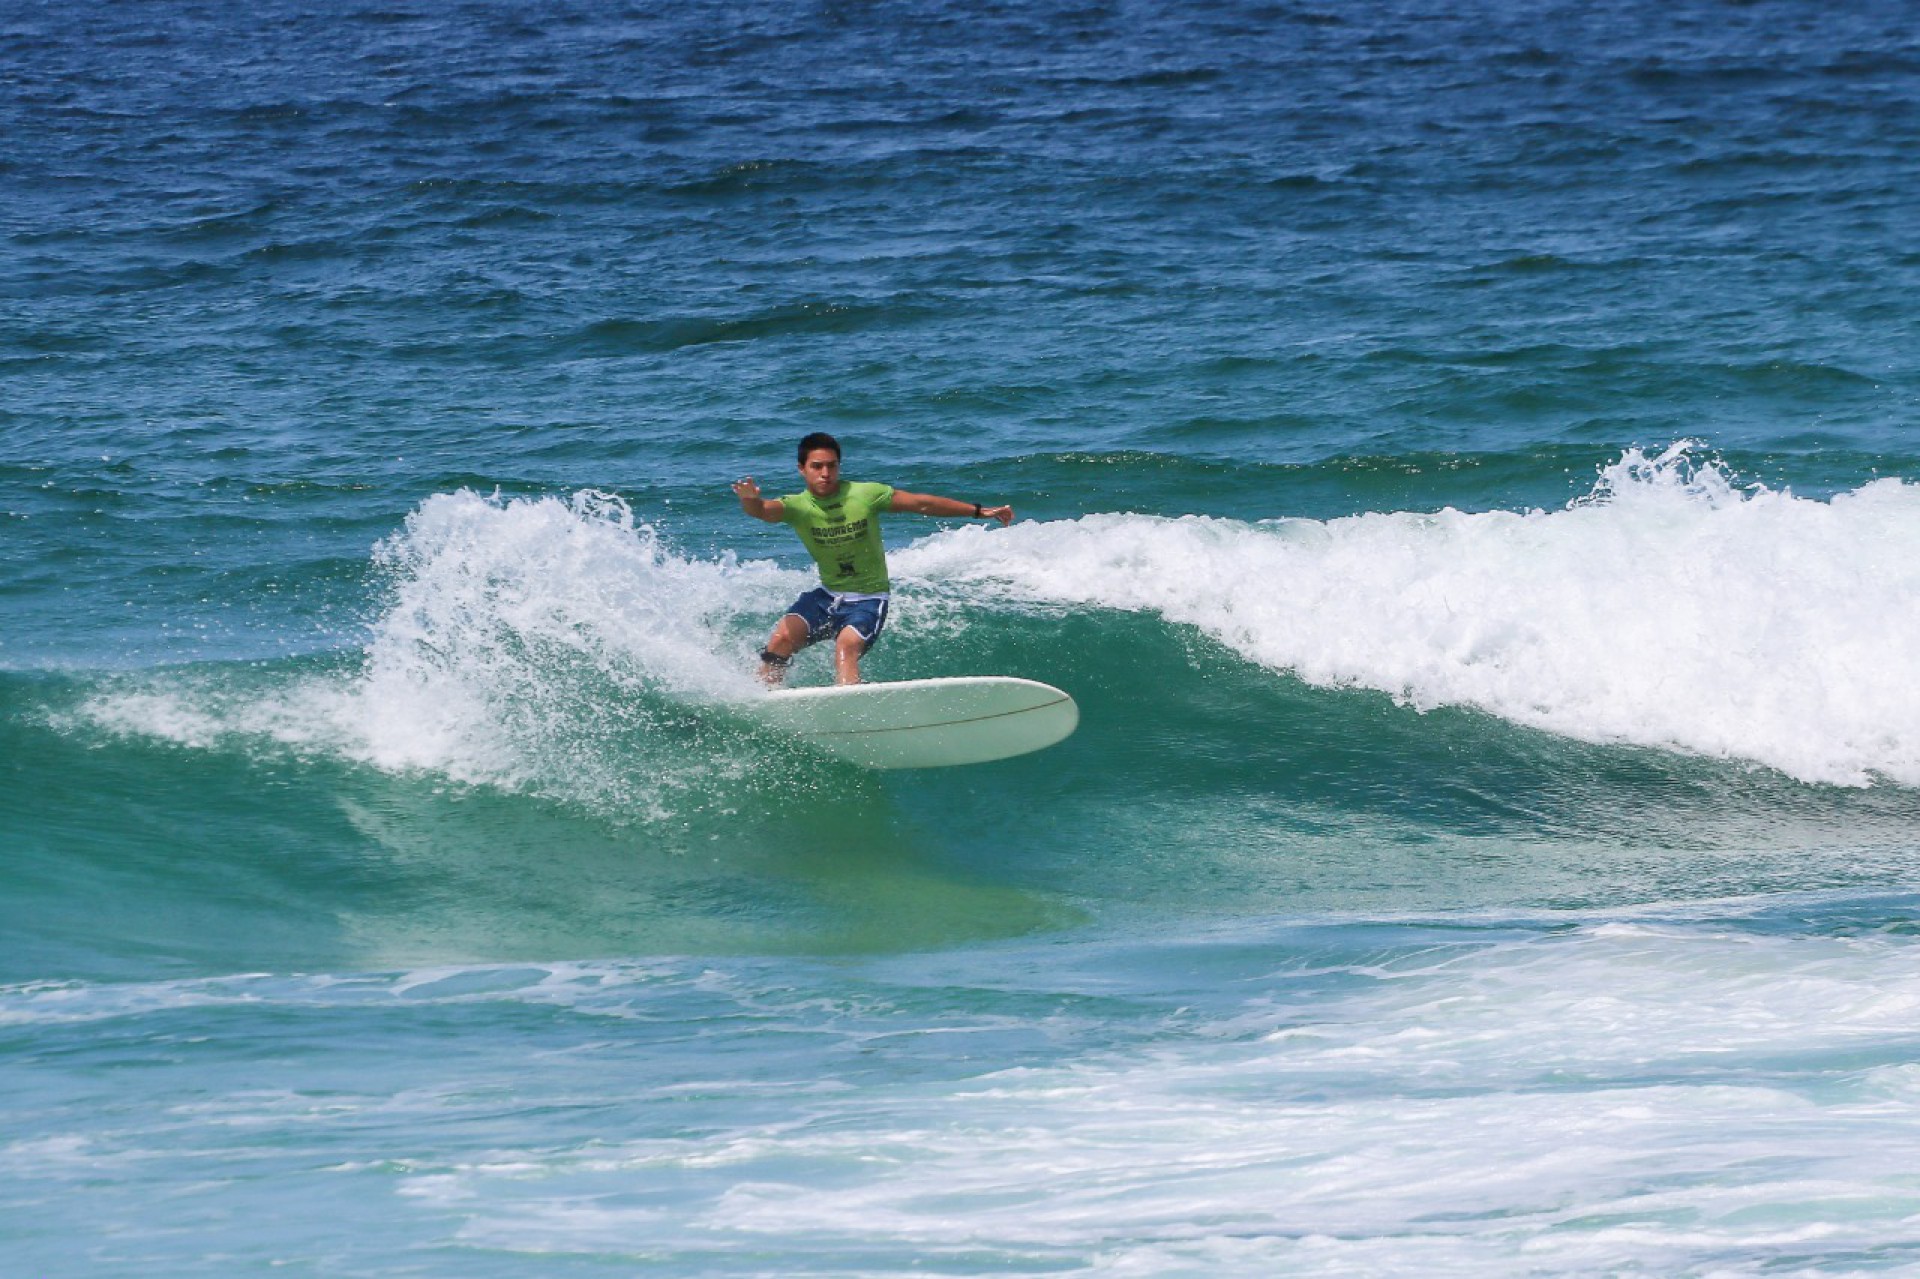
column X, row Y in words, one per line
column 839, row 523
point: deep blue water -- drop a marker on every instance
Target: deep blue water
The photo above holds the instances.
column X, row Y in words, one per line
column 1463, row 459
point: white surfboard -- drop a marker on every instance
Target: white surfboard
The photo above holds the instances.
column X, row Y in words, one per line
column 924, row 723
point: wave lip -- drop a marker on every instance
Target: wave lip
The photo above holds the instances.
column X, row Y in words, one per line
column 1669, row 608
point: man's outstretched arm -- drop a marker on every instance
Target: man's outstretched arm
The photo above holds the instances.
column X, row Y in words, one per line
column 928, row 504
column 768, row 509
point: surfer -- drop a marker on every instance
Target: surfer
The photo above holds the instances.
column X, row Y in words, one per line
column 839, row 523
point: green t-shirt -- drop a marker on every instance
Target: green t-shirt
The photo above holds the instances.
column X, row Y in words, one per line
column 842, row 533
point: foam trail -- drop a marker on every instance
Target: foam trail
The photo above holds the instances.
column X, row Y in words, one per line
column 1667, row 608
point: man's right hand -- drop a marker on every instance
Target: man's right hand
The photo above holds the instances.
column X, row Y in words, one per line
column 753, row 504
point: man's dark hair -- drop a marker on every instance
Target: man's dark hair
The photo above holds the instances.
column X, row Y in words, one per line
column 818, row 440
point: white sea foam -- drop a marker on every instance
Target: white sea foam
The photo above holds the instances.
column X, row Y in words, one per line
column 468, row 671
column 1647, row 1099
column 1669, row 608
column 1666, row 1094
column 521, row 637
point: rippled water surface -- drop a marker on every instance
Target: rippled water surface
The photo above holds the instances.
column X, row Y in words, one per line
column 1464, row 472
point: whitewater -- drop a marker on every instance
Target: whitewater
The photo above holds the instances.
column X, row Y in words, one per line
column 1670, row 607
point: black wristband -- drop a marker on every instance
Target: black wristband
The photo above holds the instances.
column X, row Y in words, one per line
column 977, row 512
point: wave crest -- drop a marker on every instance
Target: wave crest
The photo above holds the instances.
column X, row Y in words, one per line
column 564, row 646
column 1670, row 607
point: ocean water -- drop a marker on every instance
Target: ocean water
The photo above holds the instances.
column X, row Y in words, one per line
column 1465, row 464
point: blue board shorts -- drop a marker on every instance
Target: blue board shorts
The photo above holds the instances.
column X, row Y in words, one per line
column 827, row 614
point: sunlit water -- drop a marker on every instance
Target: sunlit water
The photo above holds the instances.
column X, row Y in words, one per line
column 1464, row 478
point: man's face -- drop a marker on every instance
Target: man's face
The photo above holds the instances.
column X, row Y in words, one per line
column 821, row 471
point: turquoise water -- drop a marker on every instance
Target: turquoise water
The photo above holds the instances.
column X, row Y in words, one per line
column 1463, row 463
